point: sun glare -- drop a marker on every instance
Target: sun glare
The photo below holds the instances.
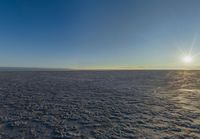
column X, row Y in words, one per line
column 187, row 59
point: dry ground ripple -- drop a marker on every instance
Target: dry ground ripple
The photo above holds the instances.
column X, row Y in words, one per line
column 100, row 104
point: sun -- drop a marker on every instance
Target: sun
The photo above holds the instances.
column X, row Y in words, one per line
column 187, row 59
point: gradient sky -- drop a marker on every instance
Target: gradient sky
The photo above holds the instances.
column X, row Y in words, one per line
column 88, row 34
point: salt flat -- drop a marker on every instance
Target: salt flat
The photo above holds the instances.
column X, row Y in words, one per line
column 100, row 104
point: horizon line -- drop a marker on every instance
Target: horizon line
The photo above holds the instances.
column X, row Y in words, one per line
column 85, row 69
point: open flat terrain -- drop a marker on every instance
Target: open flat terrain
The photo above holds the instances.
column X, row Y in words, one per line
column 100, row 104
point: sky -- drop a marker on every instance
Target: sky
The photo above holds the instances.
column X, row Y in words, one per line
column 99, row 34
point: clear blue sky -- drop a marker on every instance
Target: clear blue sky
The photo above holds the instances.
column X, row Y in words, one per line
column 97, row 33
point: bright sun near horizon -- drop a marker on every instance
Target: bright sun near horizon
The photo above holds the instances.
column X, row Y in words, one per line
column 100, row 34
column 187, row 59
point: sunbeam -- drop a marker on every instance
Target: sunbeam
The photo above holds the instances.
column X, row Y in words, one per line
column 188, row 56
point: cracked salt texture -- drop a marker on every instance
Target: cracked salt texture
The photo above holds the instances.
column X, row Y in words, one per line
column 100, row 104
